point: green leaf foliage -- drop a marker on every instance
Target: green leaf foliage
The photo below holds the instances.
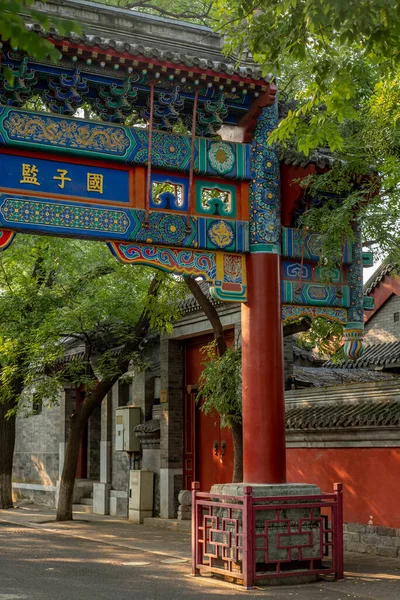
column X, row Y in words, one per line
column 326, row 337
column 220, row 384
column 340, row 61
column 197, row 11
column 14, row 14
column 58, row 296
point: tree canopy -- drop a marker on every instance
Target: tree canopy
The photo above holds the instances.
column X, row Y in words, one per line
column 12, row 28
column 339, row 60
column 57, row 292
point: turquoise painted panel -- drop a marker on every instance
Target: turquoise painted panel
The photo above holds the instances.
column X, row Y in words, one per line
column 73, row 218
column 369, row 303
column 69, row 219
column 296, row 245
column 209, row 201
column 66, row 134
column 54, row 133
column 310, row 272
column 264, row 190
column 368, row 259
column 291, row 312
column 315, row 294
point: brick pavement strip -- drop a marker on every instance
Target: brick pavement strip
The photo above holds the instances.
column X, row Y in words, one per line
column 367, row 577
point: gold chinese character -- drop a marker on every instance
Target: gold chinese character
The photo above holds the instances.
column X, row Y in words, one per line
column 29, row 174
column 95, row 182
column 62, row 177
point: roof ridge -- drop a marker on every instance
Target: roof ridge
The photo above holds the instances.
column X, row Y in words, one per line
column 386, row 267
column 374, row 354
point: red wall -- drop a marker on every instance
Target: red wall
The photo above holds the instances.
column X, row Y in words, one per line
column 370, row 477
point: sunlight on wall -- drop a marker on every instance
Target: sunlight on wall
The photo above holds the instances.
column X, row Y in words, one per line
column 41, row 471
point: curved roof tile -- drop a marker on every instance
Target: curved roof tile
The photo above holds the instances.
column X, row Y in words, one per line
column 340, row 416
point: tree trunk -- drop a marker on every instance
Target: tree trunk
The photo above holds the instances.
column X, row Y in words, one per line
column 237, row 436
column 67, row 484
column 211, row 313
column 7, row 440
column 77, row 425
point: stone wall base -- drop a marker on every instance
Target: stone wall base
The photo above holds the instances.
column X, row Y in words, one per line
column 119, row 503
column 372, row 539
column 34, row 492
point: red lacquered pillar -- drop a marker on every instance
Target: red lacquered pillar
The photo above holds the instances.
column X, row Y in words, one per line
column 264, row 450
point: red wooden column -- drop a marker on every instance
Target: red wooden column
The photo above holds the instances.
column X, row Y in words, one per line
column 264, row 451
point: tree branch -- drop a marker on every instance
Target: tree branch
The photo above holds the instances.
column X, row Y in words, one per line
column 185, row 14
column 139, row 332
column 291, row 328
column 210, row 311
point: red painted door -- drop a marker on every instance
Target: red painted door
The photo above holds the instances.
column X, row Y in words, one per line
column 208, row 448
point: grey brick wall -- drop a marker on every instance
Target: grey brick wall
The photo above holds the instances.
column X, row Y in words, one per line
column 142, row 388
column 139, row 393
column 171, row 443
column 37, row 446
column 382, row 327
column 119, row 460
column 371, row 539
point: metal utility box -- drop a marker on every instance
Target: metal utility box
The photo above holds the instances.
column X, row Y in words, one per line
column 141, row 486
column 126, row 419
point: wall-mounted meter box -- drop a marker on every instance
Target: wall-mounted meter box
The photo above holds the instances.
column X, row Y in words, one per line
column 126, row 419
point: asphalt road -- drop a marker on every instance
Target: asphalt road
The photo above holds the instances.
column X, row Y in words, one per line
column 39, row 565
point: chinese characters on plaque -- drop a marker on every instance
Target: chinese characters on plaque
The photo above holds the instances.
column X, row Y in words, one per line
column 30, row 175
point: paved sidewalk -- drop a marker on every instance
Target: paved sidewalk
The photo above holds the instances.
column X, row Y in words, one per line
column 112, row 531
column 367, row 577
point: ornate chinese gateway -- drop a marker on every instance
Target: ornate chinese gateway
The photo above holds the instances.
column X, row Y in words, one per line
column 149, row 139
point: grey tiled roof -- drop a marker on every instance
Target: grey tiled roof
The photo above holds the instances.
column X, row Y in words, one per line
column 384, row 269
column 346, row 415
column 323, row 377
column 310, row 355
column 140, row 34
column 190, row 305
column 375, row 355
column 320, row 157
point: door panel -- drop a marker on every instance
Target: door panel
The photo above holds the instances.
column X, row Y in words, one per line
column 205, row 459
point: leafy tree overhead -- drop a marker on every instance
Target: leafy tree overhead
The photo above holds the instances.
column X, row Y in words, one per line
column 198, row 11
column 13, row 14
column 338, row 49
column 340, row 61
column 54, row 290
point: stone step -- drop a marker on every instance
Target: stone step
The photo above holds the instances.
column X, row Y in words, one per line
column 87, row 501
column 82, row 508
column 174, row 524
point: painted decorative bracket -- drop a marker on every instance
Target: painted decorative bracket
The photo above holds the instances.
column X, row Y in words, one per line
column 226, row 272
column 353, row 340
column 6, row 238
column 292, row 313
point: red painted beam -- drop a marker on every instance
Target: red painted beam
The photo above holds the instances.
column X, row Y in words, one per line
column 291, row 191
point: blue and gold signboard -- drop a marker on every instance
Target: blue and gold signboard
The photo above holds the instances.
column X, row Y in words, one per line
column 60, row 179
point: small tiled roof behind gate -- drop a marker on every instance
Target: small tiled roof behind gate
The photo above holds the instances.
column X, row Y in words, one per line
column 347, row 415
column 375, row 355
